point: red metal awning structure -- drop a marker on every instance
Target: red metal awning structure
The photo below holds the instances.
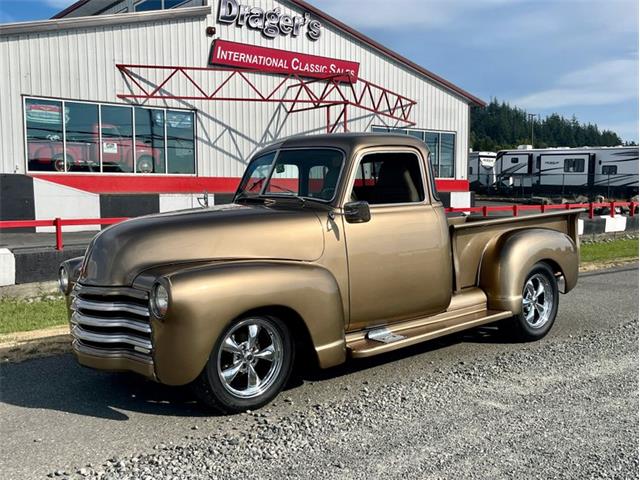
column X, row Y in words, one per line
column 298, row 94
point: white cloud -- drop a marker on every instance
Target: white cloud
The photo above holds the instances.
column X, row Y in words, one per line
column 603, row 83
column 497, row 24
column 400, row 14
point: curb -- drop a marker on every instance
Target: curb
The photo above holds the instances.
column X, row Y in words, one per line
column 20, row 346
column 26, row 290
column 606, row 265
column 29, row 265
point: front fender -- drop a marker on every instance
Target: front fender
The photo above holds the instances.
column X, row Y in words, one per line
column 510, row 257
column 206, row 299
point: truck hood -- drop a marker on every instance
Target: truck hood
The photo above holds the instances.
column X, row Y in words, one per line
column 230, row 232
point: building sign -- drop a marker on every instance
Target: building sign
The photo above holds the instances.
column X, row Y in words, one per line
column 270, row 22
column 272, row 60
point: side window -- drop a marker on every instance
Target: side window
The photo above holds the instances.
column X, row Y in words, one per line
column 574, row 165
column 385, row 178
column 609, row 169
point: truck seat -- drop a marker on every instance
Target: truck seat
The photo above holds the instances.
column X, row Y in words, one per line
column 395, row 184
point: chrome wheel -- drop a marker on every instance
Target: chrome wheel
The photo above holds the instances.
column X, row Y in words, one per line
column 145, row 164
column 537, row 300
column 250, row 358
column 58, row 162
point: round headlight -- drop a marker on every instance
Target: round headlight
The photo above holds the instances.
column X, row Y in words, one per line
column 63, row 280
column 159, row 300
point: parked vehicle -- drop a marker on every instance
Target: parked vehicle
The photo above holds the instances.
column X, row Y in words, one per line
column 514, row 169
column 611, row 171
column 336, row 247
column 83, row 155
column 482, row 170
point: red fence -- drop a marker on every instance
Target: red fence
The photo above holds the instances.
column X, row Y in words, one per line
column 516, row 209
column 58, row 223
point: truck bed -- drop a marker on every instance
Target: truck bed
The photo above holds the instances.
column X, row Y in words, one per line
column 471, row 235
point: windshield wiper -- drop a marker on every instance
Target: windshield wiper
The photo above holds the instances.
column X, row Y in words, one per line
column 282, row 188
column 255, row 184
column 301, row 201
column 276, row 199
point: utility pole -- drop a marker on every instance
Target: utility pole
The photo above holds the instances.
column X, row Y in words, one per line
column 531, row 117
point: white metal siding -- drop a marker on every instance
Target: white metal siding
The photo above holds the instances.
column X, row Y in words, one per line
column 80, row 64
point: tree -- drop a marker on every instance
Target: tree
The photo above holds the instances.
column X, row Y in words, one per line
column 500, row 126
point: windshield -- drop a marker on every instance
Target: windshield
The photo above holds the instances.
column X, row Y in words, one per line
column 306, row 173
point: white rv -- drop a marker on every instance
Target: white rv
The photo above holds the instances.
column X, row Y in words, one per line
column 513, row 168
column 612, row 171
column 482, row 170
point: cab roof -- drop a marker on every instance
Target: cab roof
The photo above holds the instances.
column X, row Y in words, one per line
column 349, row 142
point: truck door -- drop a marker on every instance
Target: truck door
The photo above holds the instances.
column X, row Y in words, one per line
column 399, row 261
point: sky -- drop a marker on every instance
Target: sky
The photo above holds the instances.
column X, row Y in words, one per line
column 573, row 57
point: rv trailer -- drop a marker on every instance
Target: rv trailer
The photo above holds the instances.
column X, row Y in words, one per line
column 482, row 170
column 610, row 171
column 513, row 169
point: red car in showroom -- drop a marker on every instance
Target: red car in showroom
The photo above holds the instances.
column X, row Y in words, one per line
column 46, row 153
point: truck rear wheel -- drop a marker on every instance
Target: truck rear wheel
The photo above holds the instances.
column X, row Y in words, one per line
column 539, row 304
column 58, row 162
column 249, row 365
column 145, row 164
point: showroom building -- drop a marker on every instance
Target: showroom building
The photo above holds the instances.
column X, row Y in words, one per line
column 121, row 108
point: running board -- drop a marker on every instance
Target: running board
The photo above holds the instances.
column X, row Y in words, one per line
column 385, row 339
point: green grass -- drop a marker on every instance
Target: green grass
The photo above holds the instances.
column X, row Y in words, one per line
column 17, row 315
column 609, row 251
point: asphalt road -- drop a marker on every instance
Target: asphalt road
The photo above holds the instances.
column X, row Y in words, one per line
column 469, row 406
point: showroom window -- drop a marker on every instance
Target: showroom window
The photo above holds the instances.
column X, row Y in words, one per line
column 442, row 146
column 72, row 136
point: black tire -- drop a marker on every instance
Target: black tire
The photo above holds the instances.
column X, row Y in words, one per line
column 145, row 164
column 216, row 393
column 58, row 162
column 523, row 326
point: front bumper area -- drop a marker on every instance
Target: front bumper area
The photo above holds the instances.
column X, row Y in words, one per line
column 111, row 329
column 113, row 360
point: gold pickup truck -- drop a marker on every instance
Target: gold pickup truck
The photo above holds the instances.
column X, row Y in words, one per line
column 335, row 247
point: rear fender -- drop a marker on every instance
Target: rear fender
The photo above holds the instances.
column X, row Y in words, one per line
column 206, row 299
column 511, row 256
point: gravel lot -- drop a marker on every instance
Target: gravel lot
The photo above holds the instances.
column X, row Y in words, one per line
column 473, row 406
column 523, row 414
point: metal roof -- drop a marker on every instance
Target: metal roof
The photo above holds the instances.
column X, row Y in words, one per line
column 352, row 32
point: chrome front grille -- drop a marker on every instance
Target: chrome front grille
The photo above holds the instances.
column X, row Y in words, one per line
column 112, row 321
